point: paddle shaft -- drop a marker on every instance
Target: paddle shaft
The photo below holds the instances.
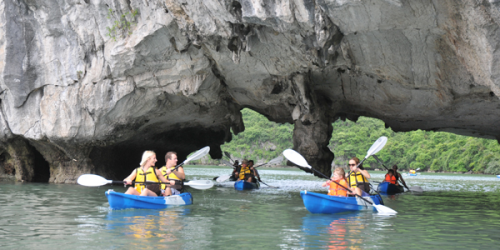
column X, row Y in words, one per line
column 376, row 158
column 267, row 184
column 139, row 182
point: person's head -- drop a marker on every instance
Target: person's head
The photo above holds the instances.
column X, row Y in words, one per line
column 395, row 168
column 148, row 158
column 338, row 173
column 236, row 163
column 244, row 163
column 390, row 172
column 171, row 159
column 353, row 162
column 250, row 163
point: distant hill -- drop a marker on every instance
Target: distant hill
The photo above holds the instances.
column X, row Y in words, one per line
column 263, row 140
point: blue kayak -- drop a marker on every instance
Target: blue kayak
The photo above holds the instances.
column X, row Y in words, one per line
column 123, row 201
column 412, row 174
column 388, row 188
column 326, row 204
column 245, row 185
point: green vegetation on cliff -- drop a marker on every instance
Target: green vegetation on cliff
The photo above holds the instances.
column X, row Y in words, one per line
column 435, row 151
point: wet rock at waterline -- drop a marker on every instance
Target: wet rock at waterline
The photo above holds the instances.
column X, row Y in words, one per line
column 88, row 85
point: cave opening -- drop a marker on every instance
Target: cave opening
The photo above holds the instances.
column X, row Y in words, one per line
column 119, row 160
column 41, row 168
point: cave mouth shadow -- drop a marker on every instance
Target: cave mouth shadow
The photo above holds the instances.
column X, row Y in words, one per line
column 119, row 160
column 41, row 168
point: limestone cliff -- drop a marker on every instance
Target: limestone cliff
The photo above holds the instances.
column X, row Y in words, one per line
column 87, row 85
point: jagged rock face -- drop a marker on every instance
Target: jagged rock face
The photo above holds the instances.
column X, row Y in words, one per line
column 85, row 90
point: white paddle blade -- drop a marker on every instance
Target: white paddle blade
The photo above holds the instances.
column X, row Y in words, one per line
column 198, row 154
column 275, row 160
column 416, row 189
column 377, row 146
column 226, row 163
column 417, row 169
column 383, row 210
column 92, row 180
column 223, row 178
column 200, row 184
column 296, row 158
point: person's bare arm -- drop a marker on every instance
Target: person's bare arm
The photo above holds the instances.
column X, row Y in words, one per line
column 131, row 177
column 365, row 173
column 180, row 173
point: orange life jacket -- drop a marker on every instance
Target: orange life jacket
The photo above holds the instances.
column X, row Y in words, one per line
column 391, row 179
column 336, row 189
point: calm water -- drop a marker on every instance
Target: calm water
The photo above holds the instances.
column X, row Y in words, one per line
column 454, row 212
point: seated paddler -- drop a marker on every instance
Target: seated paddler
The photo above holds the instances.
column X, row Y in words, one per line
column 337, row 184
column 358, row 178
column 255, row 174
column 174, row 175
column 245, row 172
column 236, row 170
column 389, row 177
column 146, row 177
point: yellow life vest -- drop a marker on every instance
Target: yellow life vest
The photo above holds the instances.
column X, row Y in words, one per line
column 149, row 176
column 243, row 171
column 171, row 176
column 356, row 178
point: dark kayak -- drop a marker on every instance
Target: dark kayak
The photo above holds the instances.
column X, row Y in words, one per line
column 326, row 204
column 123, row 201
column 390, row 189
column 245, row 185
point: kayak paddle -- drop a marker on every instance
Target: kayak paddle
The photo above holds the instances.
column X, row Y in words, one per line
column 375, row 148
column 223, row 178
column 272, row 162
column 228, row 155
column 92, row 180
column 267, row 184
column 229, row 164
column 297, row 158
column 379, row 161
column 195, row 156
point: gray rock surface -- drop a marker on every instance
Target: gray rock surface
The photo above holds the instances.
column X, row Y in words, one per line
column 87, row 85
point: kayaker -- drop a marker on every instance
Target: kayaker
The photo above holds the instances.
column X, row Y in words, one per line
column 236, row 169
column 245, row 173
column 256, row 175
column 398, row 176
column 175, row 176
column 389, row 177
column 336, row 189
column 358, row 177
column 145, row 172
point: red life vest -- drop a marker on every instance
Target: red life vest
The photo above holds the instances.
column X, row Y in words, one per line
column 338, row 190
column 391, row 179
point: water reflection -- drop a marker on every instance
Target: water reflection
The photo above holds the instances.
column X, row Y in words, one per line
column 147, row 223
column 341, row 231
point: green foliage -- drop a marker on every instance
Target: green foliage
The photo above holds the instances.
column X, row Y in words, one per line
column 435, row 151
column 122, row 24
column 261, row 140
